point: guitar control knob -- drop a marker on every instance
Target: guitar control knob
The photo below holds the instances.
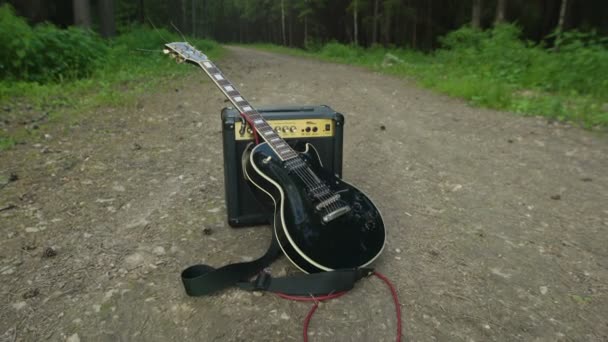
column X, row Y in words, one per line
column 370, row 225
column 357, row 207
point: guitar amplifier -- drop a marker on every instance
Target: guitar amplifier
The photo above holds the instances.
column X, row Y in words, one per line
column 319, row 125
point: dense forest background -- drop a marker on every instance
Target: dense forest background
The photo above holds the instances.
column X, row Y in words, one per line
column 536, row 57
column 415, row 24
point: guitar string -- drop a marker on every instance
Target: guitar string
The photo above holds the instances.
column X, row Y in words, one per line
column 308, row 173
column 307, row 177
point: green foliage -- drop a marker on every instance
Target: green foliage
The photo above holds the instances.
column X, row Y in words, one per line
column 45, row 53
column 341, row 52
column 68, row 71
column 15, row 38
column 578, row 66
column 496, row 69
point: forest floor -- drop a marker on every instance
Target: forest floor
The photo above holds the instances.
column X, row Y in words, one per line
column 497, row 223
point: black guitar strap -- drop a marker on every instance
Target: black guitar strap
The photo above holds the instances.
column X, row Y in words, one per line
column 202, row 280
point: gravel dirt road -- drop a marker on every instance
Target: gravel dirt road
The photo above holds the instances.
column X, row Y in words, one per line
column 497, row 223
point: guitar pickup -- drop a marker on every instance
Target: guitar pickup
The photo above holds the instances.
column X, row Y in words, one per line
column 335, row 214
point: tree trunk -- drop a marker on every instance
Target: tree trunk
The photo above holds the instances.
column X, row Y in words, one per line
column 283, row 22
column 82, row 13
column 290, row 36
column 375, row 28
column 415, row 31
column 356, row 27
column 562, row 15
column 183, row 25
column 106, row 16
column 193, row 9
column 35, row 10
column 305, row 30
column 141, row 15
column 500, row 11
column 476, row 15
column 386, row 28
column 429, row 24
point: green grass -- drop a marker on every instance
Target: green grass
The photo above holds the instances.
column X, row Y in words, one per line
column 495, row 69
column 131, row 64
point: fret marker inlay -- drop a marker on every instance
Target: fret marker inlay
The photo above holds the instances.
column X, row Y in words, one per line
column 229, row 88
column 218, row 77
column 208, row 65
column 246, row 108
column 238, row 99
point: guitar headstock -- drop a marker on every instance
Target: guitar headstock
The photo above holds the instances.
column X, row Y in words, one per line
column 184, row 52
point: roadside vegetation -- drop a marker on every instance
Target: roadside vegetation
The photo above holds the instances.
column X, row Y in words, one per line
column 496, row 69
column 53, row 72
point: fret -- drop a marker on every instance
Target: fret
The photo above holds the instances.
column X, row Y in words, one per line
column 222, row 82
column 264, row 128
column 255, row 119
column 255, row 116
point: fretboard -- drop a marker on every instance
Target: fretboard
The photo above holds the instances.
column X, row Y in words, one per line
column 253, row 117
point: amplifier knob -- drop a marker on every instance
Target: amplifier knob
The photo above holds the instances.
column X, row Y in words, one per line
column 277, row 129
column 293, row 129
column 285, row 129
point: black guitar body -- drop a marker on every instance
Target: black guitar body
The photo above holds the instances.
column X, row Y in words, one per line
column 321, row 222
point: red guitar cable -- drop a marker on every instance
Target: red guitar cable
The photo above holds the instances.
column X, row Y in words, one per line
column 340, row 294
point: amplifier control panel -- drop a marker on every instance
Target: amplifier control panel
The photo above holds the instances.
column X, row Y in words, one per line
column 289, row 129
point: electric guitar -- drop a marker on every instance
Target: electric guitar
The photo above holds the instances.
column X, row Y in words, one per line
column 321, row 222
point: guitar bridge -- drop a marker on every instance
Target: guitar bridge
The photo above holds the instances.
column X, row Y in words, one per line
column 327, row 202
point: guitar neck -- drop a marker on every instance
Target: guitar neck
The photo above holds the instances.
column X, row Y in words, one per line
column 251, row 115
